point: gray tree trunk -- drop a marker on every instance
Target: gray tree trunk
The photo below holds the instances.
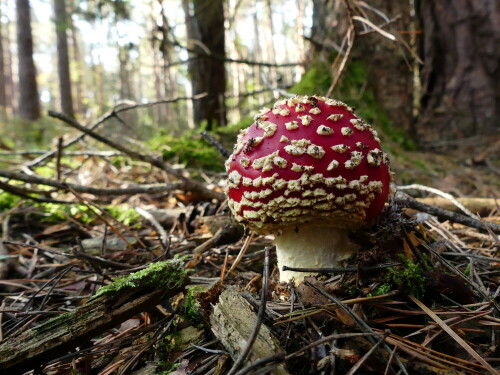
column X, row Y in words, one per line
column 461, row 73
column 455, row 93
column 8, row 63
column 3, row 91
column 205, row 28
column 61, row 21
column 29, row 102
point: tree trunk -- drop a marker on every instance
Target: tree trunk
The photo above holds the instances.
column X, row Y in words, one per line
column 125, row 72
column 389, row 63
column 61, row 21
column 388, row 73
column 205, row 29
column 166, row 49
column 78, row 64
column 457, row 94
column 29, row 102
column 3, row 92
column 9, row 76
column 461, row 73
column 329, row 25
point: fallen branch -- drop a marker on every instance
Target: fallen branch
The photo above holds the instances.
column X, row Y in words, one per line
column 110, row 114
column 26, row 194
column 450, row 197
column 188, row 184
column 216, row 144
column 112, row 305
column 143, row 189
column 405, row 200
column 481, row 206
column 105, row 154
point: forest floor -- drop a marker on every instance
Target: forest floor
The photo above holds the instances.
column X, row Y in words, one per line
column 420, row 297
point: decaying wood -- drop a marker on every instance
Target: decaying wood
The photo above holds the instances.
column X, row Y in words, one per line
column 232, row 322
column 481, row 206
column 38, row 345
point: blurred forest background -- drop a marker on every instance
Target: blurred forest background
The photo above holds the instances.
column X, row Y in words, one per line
column 426, row 73
column 103, row 171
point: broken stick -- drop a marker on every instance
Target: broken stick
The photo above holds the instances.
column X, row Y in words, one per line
column 110, row 306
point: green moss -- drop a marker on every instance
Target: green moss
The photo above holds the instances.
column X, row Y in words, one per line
column 189, row 149
column 409, row 277
column 56, row 212
column 30, row 135
column 167, row 367
column 352, row 89
column 467, row 270
column 8, row 201
column 169, row 273
column 190, row 309
column 124, row 214
column 381, row 289
column 316, row 80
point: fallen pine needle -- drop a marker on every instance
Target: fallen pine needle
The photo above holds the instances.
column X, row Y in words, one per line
column 453, row 334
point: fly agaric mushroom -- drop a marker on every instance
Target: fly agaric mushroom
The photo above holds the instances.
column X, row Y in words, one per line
column 308, row 171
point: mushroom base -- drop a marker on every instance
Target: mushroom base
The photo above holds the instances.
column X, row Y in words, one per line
column 311, row 246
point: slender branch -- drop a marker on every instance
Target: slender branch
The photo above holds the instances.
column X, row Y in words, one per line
column 199, row 53
column 222, row 150
column 105, row 154
column 405, row 200
column 340, row 269
column 188, row 184
column 26, row 194
column 349, row 38
column 366, row 356
column 111, row 113
column 150, row 189
column 429, row 189
column 277, row 358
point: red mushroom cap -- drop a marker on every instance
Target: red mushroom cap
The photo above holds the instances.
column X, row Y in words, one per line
column 309, row 159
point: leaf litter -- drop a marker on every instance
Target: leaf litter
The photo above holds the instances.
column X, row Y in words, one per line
column 420, row 297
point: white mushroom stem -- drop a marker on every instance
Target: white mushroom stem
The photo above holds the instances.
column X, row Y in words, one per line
column 311, row 246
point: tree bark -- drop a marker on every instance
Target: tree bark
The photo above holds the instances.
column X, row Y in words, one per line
column 63, row 68
column 9, row 81
column 3, row 92
column 455, row 93
column 29, row 102
column 389, row 64
column 78, row 64
column 205, row 30
column 329, row 25
column 461, row 73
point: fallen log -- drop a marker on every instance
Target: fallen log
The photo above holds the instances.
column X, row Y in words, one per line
column 481, row 206
column 111, row 305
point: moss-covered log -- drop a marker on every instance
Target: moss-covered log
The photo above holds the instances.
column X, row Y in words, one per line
column 110, row 306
